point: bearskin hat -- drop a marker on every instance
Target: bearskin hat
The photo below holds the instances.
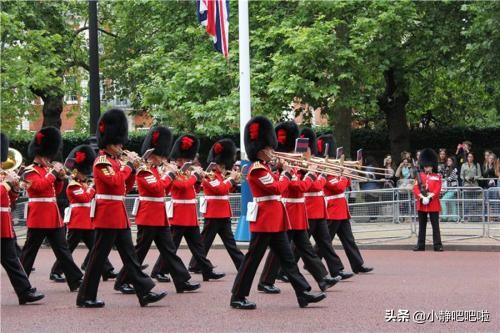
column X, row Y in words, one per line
column 112, row 128
column 81, row 158
column 428, row 157
column 4, row 147
column 308, row 133
column 186, row 146
column 321, row 143
column 259, row 134
column 286, row 134
column 223, row 152
column 159, row 138
column 47, row 142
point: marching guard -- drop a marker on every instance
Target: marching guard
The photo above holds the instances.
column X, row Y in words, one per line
column 44, row 180
column 9, row 191
column 154, row 180
column 268, row 218
column 113, row 178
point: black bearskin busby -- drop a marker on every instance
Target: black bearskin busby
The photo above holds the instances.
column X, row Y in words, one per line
column 259, row 134
column 81, row 158
column 428, row 157
column 112, row 128
column 321, row 143
column 286, row 134
column 4, row 147
column 223, row 152
column 186, row 146
column 308, row 133
column 47, row 142
column 159, row 138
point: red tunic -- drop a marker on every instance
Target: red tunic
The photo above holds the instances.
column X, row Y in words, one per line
column 152, row 193
column 432, row 182
column 336, row 202
column 111, row 178
column 294, row 200
column 315, row 200
column 216, row 188
column 184, row 191
column 80, row 196
column 43, row 186
column 272, row 215
column 6, row 198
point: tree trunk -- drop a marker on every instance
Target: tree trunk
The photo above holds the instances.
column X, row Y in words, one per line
column 393, row 104
column 52, row 110
column 342, row 128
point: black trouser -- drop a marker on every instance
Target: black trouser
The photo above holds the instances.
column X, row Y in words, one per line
column 193, row 240
column 422, row 226
column 318, row 229
column 279, row 244
column 105, row 239
column 87, row 236
column 342, row 228
column 163, row 240
column 304, row 250
column 57, row 240
column 13, row 267
column 221, row 227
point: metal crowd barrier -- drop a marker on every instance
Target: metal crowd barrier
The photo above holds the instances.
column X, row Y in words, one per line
column 388, row 214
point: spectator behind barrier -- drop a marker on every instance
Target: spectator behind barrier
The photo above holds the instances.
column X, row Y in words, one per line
column 489, row 170
column 470, row 171
column 442, row 160
column 462, row 150
column 450, row 182
column 404, row 174
column 389, row 171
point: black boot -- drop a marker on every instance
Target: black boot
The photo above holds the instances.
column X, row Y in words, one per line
column 187, row 286
column 30, row 296
column 89, row 303
column 268, row 288
column 307, row 297
column 125, row 288
column 328, row 282
column 109, row 275
column 362, row 269
column 242, row 303
column 213, row 276
column 56, row 277
column 151, row 297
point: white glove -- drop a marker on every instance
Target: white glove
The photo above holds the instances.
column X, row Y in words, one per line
column 425, row 201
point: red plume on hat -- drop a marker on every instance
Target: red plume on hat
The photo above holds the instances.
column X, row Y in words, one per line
column 287, row 133
column 319, row 146
column 281, row 136
column 186, row 146
column 223, row 152
column 218, row 148
column 80, row 156
column 254, row 131
column 158, row 138
column 83, row 157
column 154, row 137
column 46, row 142
column 186, row 143
column 39, row 137
column 258, row 134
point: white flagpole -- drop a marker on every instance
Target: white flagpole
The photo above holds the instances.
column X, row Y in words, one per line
column 244, row 46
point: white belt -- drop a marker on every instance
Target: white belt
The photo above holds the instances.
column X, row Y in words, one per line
column 314, row 194
column 52, row 199
column 216, row 197
column 189, row 201
column 5, row 209
column 293, row 200
column 75, row 205
column 109, row 197
column 267, row 198
column 337, row 196
column 153, row 199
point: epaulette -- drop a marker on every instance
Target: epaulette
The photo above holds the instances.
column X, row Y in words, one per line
column 144, row 168
column 30, row 168
column 102, row 159
column 74, row 183
column 255, row 166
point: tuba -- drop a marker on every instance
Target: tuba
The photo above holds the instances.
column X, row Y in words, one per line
column 14, row 160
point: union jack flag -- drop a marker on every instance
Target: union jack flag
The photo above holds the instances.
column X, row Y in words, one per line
column 214, row 15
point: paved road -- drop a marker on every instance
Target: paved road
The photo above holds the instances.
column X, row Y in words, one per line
column 402, row 280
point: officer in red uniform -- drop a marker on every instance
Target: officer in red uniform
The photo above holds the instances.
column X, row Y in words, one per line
column 9, row 191
column 153, row 182
column 427, row 189
column 268, row 218
column 43, row 219
column 113, row 178
column 317, row 213
column 215, row 206
column 338, row 214
column 77, row 215
column 294, row 200
column 182, row 211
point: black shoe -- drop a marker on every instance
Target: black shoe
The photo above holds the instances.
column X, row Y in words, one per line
column 187, row 286
column 194, row 270
column 345, row 275
column 362, row 269
column 151, row 297
column 268, row 288
column 283, row 278
column 438, row 248
column 125, row 288
column 419, row 248
column 242, row 303
column 74, row 286
column 307, row 297
column 328, row 282
column 89, row 304
column 161, row 277
column 213, row 276
column 31, row 296
column 109, row 275
column 56, row 277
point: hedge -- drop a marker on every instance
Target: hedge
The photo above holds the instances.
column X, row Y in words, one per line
column 374, row 142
